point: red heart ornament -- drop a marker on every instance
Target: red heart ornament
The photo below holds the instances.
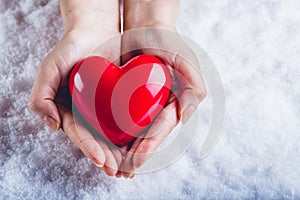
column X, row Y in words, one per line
column 118, row 103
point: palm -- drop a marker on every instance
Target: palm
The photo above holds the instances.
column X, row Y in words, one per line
column 187, row 87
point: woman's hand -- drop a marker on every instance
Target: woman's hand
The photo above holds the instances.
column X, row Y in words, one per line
column 87, row 26
column 152, row 31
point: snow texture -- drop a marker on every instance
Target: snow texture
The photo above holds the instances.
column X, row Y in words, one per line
column 255, row 46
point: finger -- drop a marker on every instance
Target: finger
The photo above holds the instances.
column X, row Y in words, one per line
column 110, row 166
column 118, row 156
column 82, row 138
column 188, row 103
column 158, row 131
column 127, row 164
column 193, row 87
column 123, row 150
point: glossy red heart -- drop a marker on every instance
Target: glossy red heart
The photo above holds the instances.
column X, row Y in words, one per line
column 118, row 103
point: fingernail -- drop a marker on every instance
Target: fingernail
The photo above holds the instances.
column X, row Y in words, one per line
column 132, row 176
column 186, row 114
column 97, row 162
column 119, row 174
column 126, row 175
column 97, row 156
column 52, row 123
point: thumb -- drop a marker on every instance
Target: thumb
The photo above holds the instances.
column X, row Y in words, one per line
column 51, row 73
column 43, row 93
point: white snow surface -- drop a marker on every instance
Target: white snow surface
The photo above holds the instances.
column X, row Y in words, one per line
column 255, row 46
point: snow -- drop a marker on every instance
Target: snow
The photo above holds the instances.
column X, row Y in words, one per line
column 255, row 46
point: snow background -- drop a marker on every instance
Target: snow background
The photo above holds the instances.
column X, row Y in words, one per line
column 255, row 46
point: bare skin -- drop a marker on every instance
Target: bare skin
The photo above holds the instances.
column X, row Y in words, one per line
column 86, row 26
column 159, row 19
column 81, row 37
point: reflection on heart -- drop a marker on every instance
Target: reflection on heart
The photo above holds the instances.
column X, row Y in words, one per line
column 118, row 103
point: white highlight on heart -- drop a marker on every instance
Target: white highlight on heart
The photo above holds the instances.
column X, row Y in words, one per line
column 156, row 79
column 78, row 82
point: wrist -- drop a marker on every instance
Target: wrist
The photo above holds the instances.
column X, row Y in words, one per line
column 150, row 23
column 94, row 15
column 87, row 35
column 94, row 24
column 155, row 13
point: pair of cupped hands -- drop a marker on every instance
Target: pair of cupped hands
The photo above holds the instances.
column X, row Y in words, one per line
column 49, row 93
